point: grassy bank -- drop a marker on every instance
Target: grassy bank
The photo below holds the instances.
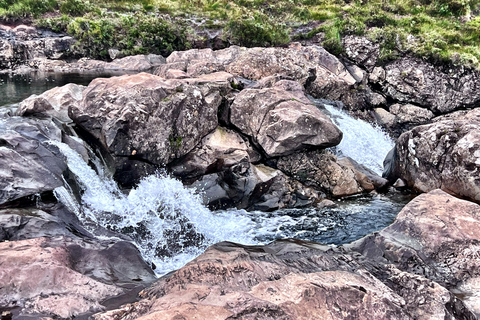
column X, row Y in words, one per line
column 442, row 30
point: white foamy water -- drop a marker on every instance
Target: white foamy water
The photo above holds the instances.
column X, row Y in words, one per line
column 171, row 226
column 366, row 144
column 167, row 221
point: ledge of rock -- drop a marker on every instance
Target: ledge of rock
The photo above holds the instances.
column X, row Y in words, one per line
column 66, row 277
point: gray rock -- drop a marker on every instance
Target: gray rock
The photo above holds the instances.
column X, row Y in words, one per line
column 443, row 154
column 414, row 81
column 28, row 164
column 321, row 170
column 362, row 51
column 411, row 114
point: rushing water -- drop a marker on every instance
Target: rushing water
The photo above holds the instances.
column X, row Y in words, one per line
column 363, row 142
column 171, row 226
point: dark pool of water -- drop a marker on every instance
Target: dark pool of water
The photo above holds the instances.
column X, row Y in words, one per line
column 15, row 88
column 351, row 220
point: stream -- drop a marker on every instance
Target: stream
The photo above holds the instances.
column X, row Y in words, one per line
column 171, row 226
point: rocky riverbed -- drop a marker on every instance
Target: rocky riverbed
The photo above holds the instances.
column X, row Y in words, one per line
column 241, row 125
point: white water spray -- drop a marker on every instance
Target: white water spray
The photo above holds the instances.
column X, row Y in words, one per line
column 167, row 221
column 366, row 144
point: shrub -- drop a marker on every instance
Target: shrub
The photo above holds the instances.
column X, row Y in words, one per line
column 257, row 32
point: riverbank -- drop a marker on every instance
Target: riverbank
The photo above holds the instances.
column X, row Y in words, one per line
column 442, row 31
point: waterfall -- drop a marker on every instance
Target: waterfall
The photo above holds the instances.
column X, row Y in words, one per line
column 366, row 144
column 170, row 225
column 167, row 221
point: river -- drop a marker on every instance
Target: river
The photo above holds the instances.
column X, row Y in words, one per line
column 171, row 226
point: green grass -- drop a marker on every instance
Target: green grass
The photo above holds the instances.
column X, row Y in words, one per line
column 440, row 30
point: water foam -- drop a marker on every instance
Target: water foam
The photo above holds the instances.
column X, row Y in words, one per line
column 361, row 141
column 167, row 221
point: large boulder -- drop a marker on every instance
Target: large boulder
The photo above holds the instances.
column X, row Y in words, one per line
column 436, row 237
column 411, row 80
column 64, row 277
column 143, row 121
column 444, row 154
column 29, row 165
column 281, row 120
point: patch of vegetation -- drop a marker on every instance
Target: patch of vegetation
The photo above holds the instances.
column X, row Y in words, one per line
column 442, row 30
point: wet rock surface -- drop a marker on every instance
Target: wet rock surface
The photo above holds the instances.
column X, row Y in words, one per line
column 28, row 165
column 398, row 273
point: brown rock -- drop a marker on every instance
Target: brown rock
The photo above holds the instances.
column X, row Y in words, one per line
column 436, row 237
column 56, row 276
column 161, row 120
column 281, row 120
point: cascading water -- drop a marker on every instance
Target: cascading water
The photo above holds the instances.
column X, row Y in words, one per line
column 167, row 221
column 361, row 141
column 170, row 225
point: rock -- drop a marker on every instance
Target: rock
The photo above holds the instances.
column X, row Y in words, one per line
column 326, row 204
column 322, row 74
column 54, row 102
column 323, row 171
column 413, row 81
column 218, row 151
column 143, row 121
column 65, row 277
column 384, row 118
column 23, row 44
column 442, row 155
column 411, row 114
column 281, row 120
column 28, row 164
column 253, row 187
column 278, row 281
column 435, row 237
column 290, row 279
column 361, row 51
